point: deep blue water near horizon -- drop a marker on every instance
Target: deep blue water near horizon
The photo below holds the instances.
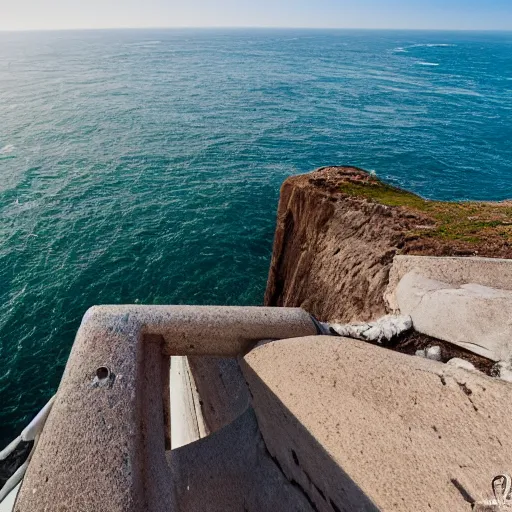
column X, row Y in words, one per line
column 144, row 165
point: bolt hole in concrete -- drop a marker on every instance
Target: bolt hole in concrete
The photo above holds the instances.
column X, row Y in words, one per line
column 104, row 377
column 102, row 373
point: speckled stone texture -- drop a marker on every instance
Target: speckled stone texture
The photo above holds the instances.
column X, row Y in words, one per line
column 359, row 427
column 103, row 446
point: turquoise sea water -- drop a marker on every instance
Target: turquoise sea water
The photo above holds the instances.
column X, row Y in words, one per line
column 144, row 166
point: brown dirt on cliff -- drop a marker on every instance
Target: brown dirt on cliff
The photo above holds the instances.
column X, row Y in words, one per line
column 339, row 228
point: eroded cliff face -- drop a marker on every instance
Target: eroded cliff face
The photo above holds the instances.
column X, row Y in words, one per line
column 339, row 228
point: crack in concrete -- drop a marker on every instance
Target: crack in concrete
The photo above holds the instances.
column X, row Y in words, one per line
column 467, row 391
column 292, row 481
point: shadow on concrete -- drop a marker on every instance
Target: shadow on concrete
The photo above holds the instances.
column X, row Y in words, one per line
column 236, row 469
column 230, row 470
column 301, row 457
column 222, row 389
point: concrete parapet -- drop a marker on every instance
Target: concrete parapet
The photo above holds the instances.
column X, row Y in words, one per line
column 103, row 446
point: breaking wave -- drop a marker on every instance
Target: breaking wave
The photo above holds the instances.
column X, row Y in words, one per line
column 432, row 45
column 7, row 149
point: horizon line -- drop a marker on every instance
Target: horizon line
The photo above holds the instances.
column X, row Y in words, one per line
column 254, row 27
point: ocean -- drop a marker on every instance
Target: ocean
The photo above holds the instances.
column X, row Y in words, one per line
column 144, row 166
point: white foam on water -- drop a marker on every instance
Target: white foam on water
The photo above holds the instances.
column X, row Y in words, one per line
column 400, row 50
column 432, row 45
column 145, row 43
column 7, row 149
column 458, row 91
column 421, row 63
column 392, row 89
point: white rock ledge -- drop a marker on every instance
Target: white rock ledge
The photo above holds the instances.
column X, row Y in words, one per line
column 475, row 317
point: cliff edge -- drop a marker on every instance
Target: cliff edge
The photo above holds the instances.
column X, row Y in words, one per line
column 339, row 228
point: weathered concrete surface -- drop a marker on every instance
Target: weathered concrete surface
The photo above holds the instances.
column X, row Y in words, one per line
column 492, row 272
column 359, row 427
column 475, row 317
column 231, row 471
column 105, row 444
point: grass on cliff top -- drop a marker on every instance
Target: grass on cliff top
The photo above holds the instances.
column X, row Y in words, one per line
column 468, row 221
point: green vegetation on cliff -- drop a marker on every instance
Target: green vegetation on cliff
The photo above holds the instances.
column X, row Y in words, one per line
column 470, row 222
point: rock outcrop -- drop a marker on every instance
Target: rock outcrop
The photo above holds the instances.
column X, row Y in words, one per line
column 339, row 228
column 473, row 316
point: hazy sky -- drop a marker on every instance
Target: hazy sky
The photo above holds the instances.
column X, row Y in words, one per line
column 441, row 14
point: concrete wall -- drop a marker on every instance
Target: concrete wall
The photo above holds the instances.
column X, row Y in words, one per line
column 335, row 424
column 222, row 389
column 187, row 422
column 465, row 301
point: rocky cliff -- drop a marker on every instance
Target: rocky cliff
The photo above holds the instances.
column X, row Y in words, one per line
column 339, row 228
